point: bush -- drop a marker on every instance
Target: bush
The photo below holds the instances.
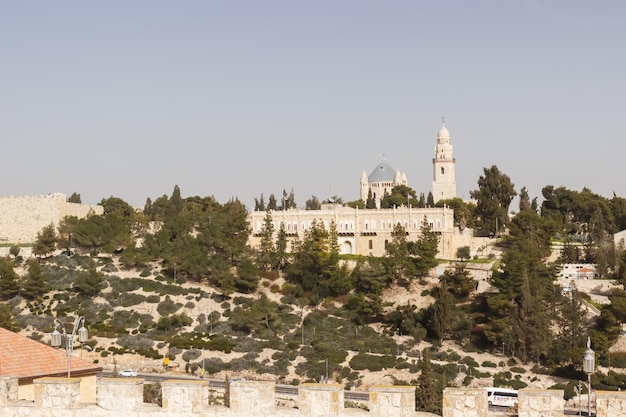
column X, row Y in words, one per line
column 167, row 307
column 489, row 364
column 518, row 370
column 363, row 361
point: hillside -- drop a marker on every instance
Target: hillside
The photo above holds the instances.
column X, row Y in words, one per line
column 128, row 322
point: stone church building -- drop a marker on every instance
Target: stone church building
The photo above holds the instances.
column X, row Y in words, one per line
column 368, row 231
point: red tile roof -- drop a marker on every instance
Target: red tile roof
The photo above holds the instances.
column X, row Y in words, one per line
column 29, row 359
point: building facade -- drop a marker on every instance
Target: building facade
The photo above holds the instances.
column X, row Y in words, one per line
column 362, row 231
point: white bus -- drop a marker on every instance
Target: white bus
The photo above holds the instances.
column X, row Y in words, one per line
column 501, row 397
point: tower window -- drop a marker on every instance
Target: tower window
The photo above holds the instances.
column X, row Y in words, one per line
column 443, row 170
column 371, row 244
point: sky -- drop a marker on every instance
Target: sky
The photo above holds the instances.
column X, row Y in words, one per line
column 234, row 99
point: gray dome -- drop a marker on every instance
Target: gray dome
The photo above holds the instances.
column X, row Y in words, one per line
column 382, row 172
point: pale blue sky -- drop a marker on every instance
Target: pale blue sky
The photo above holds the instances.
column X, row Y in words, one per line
column 239, row 98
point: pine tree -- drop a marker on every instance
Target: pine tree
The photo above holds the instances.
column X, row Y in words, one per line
column 9, row 286
column 444, row 319
column 267, row 249
column 371, row 201
column 429, row 393
column 34, row 284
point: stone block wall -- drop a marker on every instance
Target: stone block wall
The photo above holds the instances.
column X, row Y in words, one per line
column 22, row 217
column 60, row 397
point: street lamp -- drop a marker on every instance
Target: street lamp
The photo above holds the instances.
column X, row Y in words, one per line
column 69, row 339
column 589, row 362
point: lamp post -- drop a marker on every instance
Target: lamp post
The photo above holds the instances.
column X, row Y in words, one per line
column 69, row 338
column 589, row 362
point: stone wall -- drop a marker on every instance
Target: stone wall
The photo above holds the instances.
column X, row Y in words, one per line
column 22, row 217
column 60, row 397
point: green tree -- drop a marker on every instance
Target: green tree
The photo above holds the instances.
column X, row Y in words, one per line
column 272, row 204
column 429, row 392
column 74, row 198
column 9, row 286
column 247, row 276
column 424, row 251
column 459, row 282
column 464, row 212
column 66, row 229
column 259, row 203
column 314, row 262
column 444, row 316
column 371, row 201
column 266, row 258
column 312, row 204
column 397, row 260
column 493, row 196
column 46, row 241
column 463, row 252
column 7, row 320
column 401, row 195
column 282, row 256
column 34, row 283
column 14, row 251
column 89, row 283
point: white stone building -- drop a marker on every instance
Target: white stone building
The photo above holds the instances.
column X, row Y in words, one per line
column 444, row 169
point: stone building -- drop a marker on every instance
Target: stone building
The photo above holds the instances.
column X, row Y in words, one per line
column 367, row 232
column 444, row 169
column 381, row 181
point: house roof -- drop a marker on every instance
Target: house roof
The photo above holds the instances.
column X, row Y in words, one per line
column 29, row 359
column 585, row 269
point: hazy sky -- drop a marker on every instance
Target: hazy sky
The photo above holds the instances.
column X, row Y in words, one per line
column 238, row 98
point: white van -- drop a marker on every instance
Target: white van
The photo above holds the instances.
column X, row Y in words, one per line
column 501, row 397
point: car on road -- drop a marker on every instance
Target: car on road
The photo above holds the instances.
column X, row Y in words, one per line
column 128, row 372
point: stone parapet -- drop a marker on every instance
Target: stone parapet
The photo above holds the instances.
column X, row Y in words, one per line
column 394, row 401
column 185, row 396
column 60, row 397
column 119, row 394
column 252, row 398
column 461, row 402
column 56, row 392
column 540, row 403
column 611, row 404
column 320, row 400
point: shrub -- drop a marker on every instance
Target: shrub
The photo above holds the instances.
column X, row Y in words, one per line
column 363, row 361
column 489, row 364
column 167, row 307
column 518, row 370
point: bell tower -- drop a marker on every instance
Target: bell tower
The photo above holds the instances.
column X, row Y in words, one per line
column 444, row 175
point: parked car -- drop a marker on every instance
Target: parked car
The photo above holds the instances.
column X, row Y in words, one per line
column 128, row 372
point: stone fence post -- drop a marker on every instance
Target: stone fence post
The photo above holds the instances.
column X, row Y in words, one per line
column 56, row 392
column 545, row 403
column 252, row 398
column 8, row 389
column 465, row 402
column 119, row 394
column 320, row 400
column 185, row 395
column 392, row 401
column 611, row 403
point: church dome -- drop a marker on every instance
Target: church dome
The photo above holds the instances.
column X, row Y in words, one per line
column 382, row 172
